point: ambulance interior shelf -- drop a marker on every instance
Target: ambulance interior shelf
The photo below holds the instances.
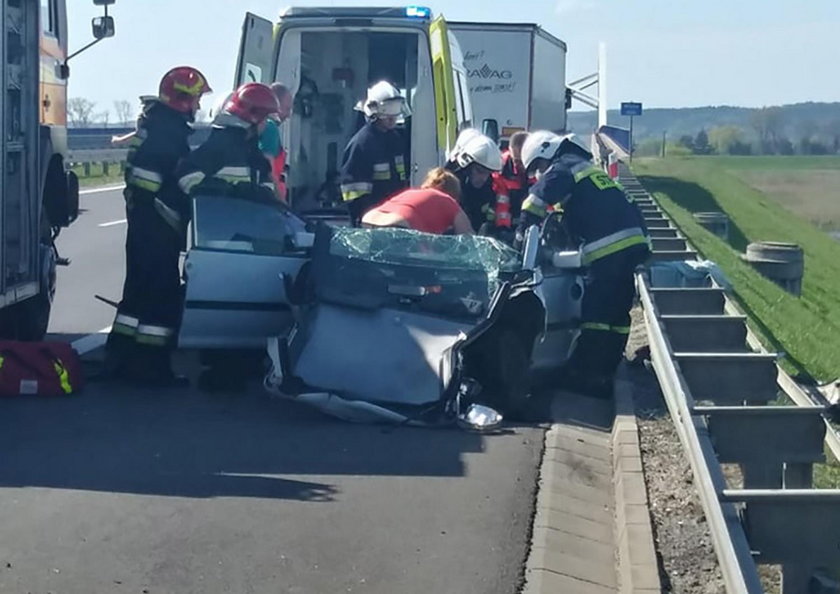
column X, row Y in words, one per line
column 336, row 69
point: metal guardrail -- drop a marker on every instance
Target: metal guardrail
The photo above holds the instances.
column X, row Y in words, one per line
column 728, row 537
column 97, row 156
column 89, row 139
column 702, row 349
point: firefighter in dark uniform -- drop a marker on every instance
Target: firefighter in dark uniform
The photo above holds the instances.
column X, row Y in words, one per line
column 373, row 167
column 144, row 330
column 230, row 161
column 598, row 214
column 474, row 160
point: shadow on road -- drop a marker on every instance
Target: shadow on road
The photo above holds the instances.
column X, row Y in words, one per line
column 188, row 444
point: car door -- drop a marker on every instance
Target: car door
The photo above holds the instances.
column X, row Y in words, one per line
column 256, row 51
column 561, row 288
column 240, row 253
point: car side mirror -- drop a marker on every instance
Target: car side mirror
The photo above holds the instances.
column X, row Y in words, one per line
column 490, row 128
column 103, row 2
column 531, row 248
column 103, row 27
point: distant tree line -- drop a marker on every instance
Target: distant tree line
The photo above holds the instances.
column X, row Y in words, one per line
column 767, row 136
column 83, row 113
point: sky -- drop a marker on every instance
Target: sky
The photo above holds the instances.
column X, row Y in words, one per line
column 664, row 53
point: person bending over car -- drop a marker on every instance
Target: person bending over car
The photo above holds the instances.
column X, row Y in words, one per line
column 432, row 208
column 230, row 161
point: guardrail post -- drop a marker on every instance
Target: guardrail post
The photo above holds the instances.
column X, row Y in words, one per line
column 106, row 168
column 799, row 476
column 761, row 476
column 86, row 168
column 122, row 167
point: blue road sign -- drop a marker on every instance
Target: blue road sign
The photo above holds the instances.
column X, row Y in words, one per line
column 631, row 109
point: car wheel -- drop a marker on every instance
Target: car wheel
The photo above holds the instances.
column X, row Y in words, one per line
column 513, row 364
column 31, row 318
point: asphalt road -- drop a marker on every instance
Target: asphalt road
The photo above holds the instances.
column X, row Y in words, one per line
column 120, row 490
column 95, row 245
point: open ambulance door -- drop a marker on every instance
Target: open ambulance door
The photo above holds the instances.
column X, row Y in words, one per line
column 256, row 51
column 442, row 72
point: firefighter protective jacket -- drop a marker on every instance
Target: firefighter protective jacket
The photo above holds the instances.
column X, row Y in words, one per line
column 373, row 167
column 595, row 208
column 228, row 163
column 158, row 143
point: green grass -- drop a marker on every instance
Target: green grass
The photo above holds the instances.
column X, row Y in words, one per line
column 827, row 476
column 793, row 163
column 97, row 176
column 807, row 329
column 806, row 186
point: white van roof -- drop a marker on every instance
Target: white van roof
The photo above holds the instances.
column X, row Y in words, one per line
column 402, row 12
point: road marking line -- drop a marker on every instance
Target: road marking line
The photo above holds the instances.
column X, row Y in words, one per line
column 112, row 223
column 100, row 190
column 91, row 342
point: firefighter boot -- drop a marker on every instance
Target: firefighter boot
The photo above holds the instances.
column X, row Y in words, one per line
column 153, row 369
column 119, row 354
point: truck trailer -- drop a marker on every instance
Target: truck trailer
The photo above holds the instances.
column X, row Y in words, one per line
column 517, row 75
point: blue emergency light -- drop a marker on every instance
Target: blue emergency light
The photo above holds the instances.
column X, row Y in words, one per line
column 418, row 12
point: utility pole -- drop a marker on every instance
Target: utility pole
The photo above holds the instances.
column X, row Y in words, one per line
column 602, row 84
column 664, row 134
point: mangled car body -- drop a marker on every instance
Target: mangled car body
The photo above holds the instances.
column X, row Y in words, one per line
column 370, row 324
column 410, row 322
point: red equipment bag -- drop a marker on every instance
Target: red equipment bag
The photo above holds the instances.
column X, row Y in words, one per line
column 39, row 369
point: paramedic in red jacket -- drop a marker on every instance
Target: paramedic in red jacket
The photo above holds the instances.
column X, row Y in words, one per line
column 512, row 179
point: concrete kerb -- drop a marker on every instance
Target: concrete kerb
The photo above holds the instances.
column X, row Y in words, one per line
column 573, row 540
column 638, row 571
column 573, row 530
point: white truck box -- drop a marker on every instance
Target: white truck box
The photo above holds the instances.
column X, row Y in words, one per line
column 517, row 75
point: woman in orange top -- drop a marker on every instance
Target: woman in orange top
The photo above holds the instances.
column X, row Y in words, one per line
column 433, row 208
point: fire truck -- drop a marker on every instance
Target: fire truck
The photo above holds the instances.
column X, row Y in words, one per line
column 39, row 195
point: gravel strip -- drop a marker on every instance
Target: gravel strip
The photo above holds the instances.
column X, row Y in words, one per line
column 683, row 544
column 687, row 560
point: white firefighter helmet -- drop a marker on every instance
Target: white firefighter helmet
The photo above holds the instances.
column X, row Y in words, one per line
column 543, row 144
column 383, row 99
column 482, row 150
column 577, row 141
column 463, row 138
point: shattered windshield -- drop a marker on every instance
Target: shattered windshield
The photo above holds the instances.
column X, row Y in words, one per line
column 404, row 246
column 450, row 275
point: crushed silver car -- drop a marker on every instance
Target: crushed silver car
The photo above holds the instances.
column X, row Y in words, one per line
column 404, row 326
column 389, row 319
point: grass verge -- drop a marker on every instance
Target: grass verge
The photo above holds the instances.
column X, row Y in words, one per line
column 806, row 329
column 97, row 176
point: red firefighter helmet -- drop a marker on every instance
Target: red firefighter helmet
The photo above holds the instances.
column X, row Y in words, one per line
column 253, row 103
column 180, row 86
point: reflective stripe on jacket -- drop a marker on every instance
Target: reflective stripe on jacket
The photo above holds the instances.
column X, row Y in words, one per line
column 595, row 208
column 158, row 143
column 229, row 162
column 374, row 162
